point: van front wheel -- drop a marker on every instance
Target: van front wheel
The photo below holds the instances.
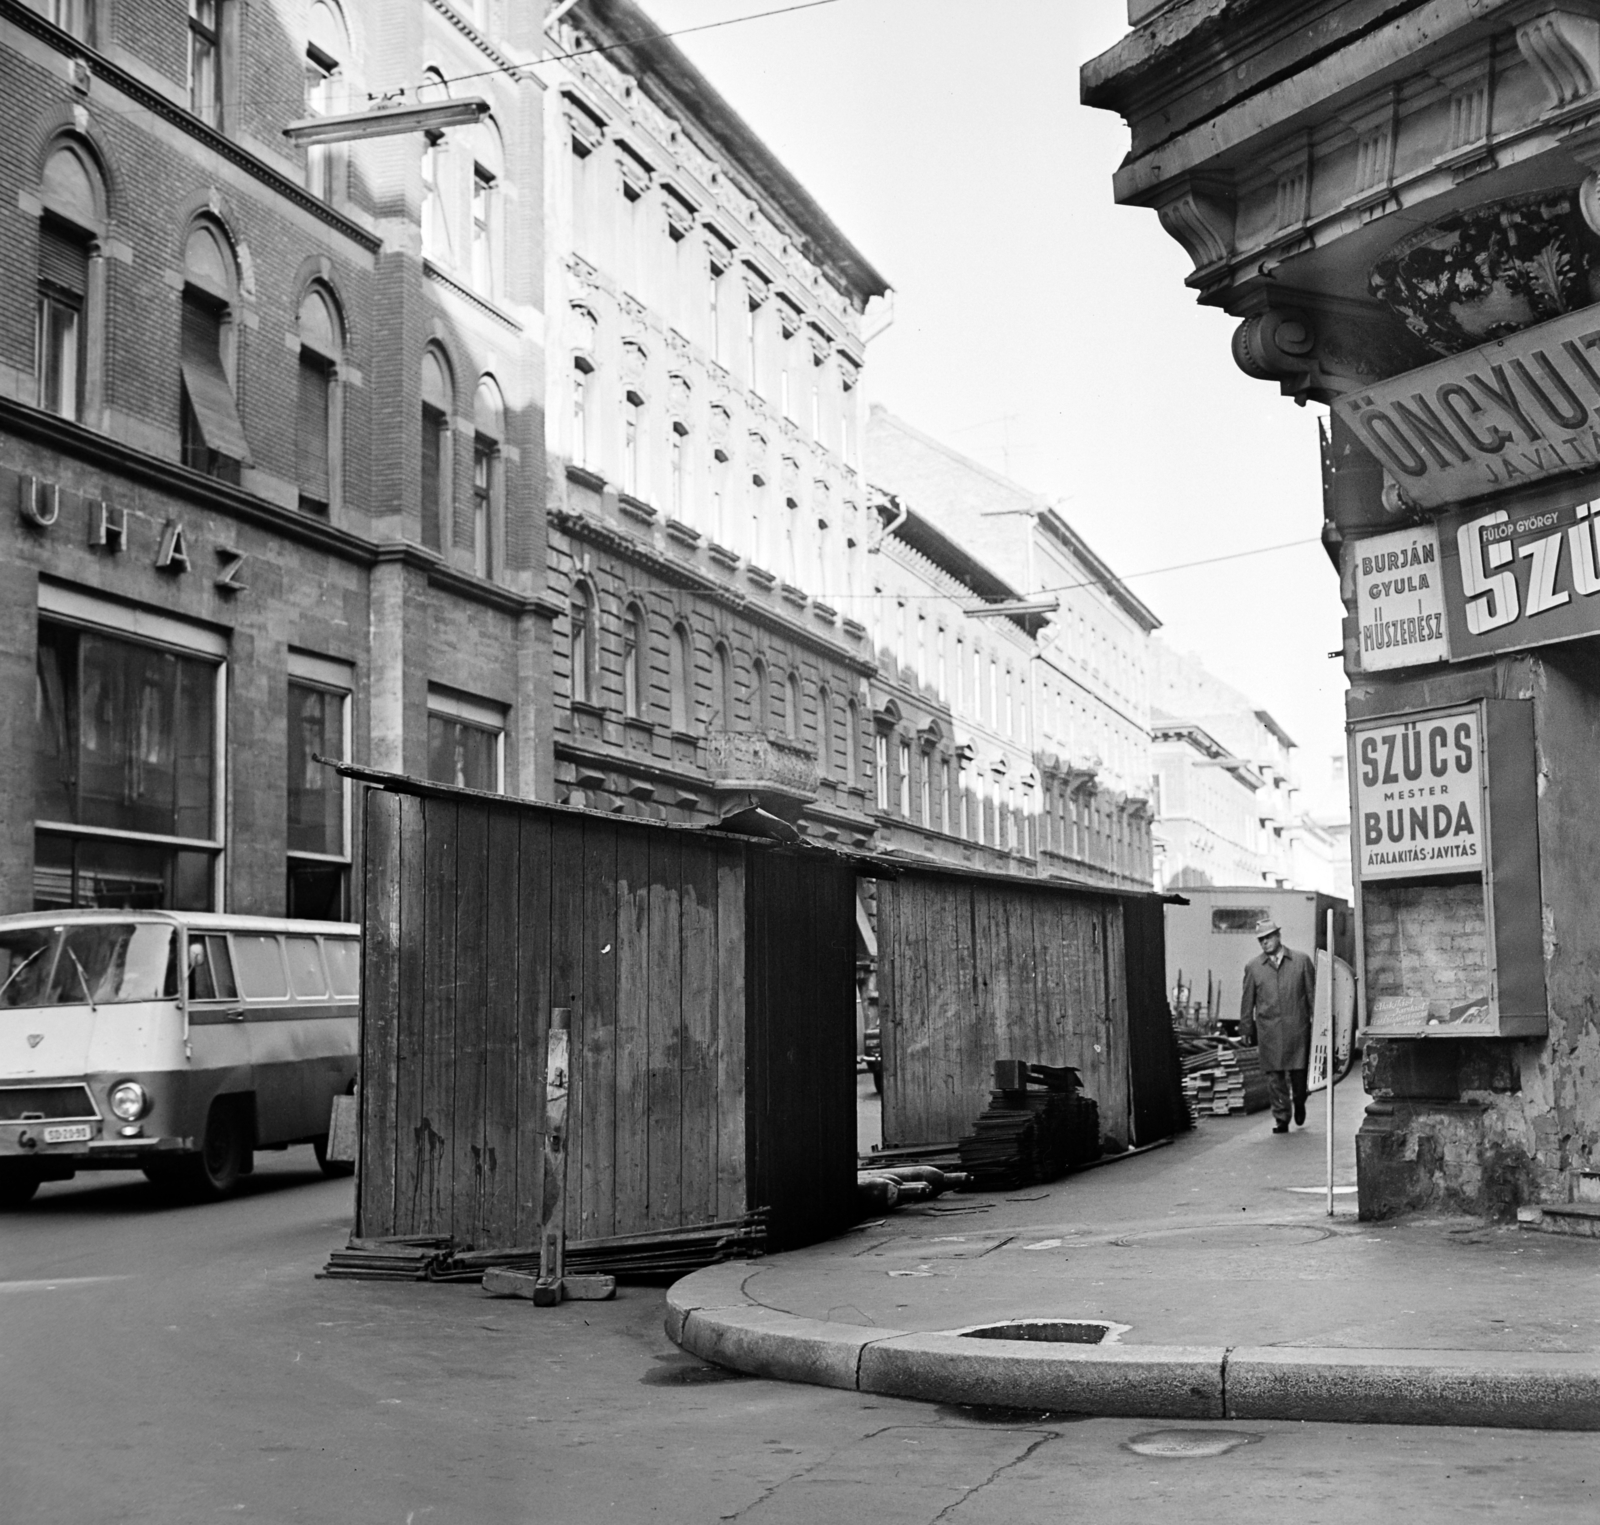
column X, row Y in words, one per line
column 18, row 1182
column 224, row 1156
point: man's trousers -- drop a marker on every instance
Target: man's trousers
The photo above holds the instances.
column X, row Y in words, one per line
column 1288, row 1091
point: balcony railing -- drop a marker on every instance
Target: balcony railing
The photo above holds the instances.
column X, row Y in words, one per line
column 755, row 761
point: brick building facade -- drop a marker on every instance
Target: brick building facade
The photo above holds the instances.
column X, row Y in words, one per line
column 228, row 546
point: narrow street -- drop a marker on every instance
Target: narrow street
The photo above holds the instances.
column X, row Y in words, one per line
column 184, row 1365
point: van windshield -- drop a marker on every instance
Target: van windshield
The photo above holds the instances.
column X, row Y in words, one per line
column 87, row 964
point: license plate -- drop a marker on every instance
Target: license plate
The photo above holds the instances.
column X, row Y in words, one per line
column 69, row 1133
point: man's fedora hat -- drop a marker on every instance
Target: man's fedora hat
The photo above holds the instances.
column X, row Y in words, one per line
column 1267, row 927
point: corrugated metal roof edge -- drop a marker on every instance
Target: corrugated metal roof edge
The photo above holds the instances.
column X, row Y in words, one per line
column 867, row 865
column 1027, row 882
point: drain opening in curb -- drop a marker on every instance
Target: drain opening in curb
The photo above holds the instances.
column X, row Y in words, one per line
column 1183, row 1444
column 1044, row 1331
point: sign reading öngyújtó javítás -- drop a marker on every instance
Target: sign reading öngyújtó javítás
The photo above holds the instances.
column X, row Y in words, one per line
column 1502, row 416
column 1418, row 788
column 1399, row 582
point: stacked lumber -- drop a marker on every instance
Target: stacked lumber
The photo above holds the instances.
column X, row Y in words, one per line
column 941, row 1156
column 664, row 1252
column 1223, row 1080
column 405, row 1258
column 1029, row 1135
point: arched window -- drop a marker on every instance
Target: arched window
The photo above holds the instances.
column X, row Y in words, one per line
column 852, row 744
column 488, row 478
column 438, row 455
column 903, row 761
column 634, row 691
column 210, row 428
column 760, row 707
column 677, row 471
column 791, row 707
column 633, row 444
column 488, row 213
column 70, row 326
column 437, row 177
column 721, row 689
column 825, row 731
column 327, row 53
column 582, row 402
column 320, row 414
column 682, row 657
column 581, row 643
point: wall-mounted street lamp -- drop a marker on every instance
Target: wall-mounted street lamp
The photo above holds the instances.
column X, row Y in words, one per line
column 387, row 121
column 1017, row 606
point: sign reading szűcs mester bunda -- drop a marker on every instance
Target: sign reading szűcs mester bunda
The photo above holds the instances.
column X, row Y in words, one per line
column 1400, row 599
column 1504, row 415
column 1419, row 795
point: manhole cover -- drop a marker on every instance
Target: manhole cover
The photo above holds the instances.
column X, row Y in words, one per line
column 1183, row 1444
column 1049, row 1331
column 1228, row 1236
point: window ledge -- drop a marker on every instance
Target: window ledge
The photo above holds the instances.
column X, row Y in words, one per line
column 636, row 508
column 586, row 707
column 760, row 576
column 639, row 723
column 720, row 553
column 585, row 478
column 854, row 628
column 682, row 533
column 826, row 613
column 794, row 595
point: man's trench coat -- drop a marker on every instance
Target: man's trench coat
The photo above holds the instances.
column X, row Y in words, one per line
column 1275, row 1009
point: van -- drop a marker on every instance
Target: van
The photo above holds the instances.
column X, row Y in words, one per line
column 176, row 1043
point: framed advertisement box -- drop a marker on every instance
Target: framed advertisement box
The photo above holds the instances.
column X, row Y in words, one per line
column 1445, row 843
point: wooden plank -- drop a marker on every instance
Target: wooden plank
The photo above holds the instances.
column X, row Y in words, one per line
column 759, row 1039
column 664, row 1033
column 380, row 1014
column 1119, row 1092
column 569, row 938
column 497, row 1214
column 534, row 980
column 632, row 1157
column 411, row 1026
column 471, row 1027
column 889, row 1028
column 732, row 1185
column 591, row 1171
column 911, row 986
column 975, row 1041
column 433, row 1138
column 701, row 1034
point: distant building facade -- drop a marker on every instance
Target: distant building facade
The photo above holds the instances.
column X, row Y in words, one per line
column 709, row 520
column 1055, row 706
column 269, row 443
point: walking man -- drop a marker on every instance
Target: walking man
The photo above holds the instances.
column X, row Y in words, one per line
column 1280, row 988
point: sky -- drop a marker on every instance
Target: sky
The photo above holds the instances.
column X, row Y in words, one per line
column 1041, row 328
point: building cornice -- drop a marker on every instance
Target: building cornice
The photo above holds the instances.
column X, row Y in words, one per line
column 26, row 19
column 680, row 574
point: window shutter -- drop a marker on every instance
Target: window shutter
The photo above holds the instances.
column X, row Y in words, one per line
column 210, row 396
column 432, row 428
column 313, row 427
column 63, row 259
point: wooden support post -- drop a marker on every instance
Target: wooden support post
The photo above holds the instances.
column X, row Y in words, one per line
column 552, row 1217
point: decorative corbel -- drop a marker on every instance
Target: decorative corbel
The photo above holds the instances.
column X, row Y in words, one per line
column 1563, row 50
column 1198, row 211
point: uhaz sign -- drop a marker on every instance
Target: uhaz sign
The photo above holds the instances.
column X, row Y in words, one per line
column 1400, row 599
column 1520, row 577
column 1505, row 415
column 1419, row 795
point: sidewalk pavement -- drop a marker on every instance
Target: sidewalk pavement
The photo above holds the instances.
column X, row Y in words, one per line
column 1229, row 1292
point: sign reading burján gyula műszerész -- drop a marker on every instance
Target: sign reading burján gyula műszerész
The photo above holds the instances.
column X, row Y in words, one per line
column 1419, row 795
column 1504, row 415
column 1400, row 599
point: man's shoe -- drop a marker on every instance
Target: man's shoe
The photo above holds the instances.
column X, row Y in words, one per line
column 1280, row 1127
column 1300, row 1113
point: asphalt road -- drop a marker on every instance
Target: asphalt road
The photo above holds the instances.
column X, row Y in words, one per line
column 176, row 1365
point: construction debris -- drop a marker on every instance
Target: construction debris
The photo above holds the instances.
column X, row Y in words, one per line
column 1028, row 1136
column 881, row 1187
column 1224, row 1079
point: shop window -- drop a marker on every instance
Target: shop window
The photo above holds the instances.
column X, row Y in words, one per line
column 212, row 434
column 438, row 398
column 126, row 772
column 205, row 60
column 318, row 800
column 466, row 742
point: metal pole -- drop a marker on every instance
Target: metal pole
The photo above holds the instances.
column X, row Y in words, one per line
column 1333, row 1057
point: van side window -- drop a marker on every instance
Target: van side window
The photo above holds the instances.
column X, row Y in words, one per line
column 305, row 967
column 259, row 962
column 211, row 976
column 344, row 965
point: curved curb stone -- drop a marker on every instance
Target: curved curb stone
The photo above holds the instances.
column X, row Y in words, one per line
column 710, row 1314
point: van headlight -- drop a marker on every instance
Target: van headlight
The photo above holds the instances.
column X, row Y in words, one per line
column 129, row 1101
